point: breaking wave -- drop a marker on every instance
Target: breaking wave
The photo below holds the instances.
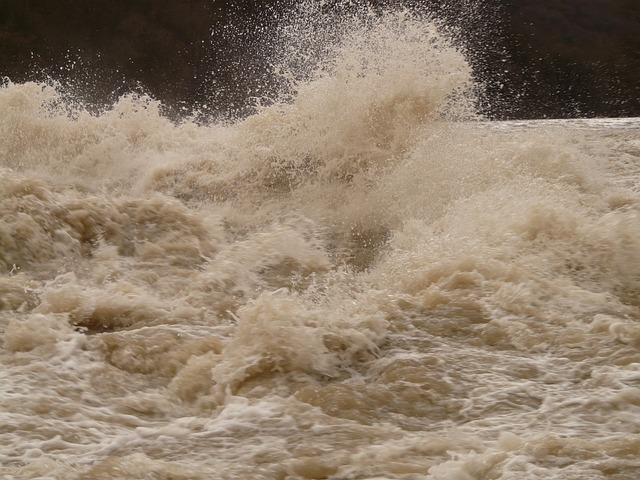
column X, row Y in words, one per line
column 363, row 279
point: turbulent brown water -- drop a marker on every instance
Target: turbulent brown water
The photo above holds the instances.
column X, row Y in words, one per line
column 362, row 282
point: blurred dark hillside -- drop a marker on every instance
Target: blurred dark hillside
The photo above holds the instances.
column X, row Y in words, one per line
column 572, row 58
column 536, row 58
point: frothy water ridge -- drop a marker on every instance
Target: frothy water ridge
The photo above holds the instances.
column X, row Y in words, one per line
column 360, row 281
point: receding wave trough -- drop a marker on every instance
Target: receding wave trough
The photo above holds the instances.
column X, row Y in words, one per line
column 362, row 280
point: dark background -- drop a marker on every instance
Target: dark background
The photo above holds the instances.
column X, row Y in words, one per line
column 535, row 58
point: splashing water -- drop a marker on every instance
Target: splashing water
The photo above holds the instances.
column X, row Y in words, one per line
column 361, row 280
